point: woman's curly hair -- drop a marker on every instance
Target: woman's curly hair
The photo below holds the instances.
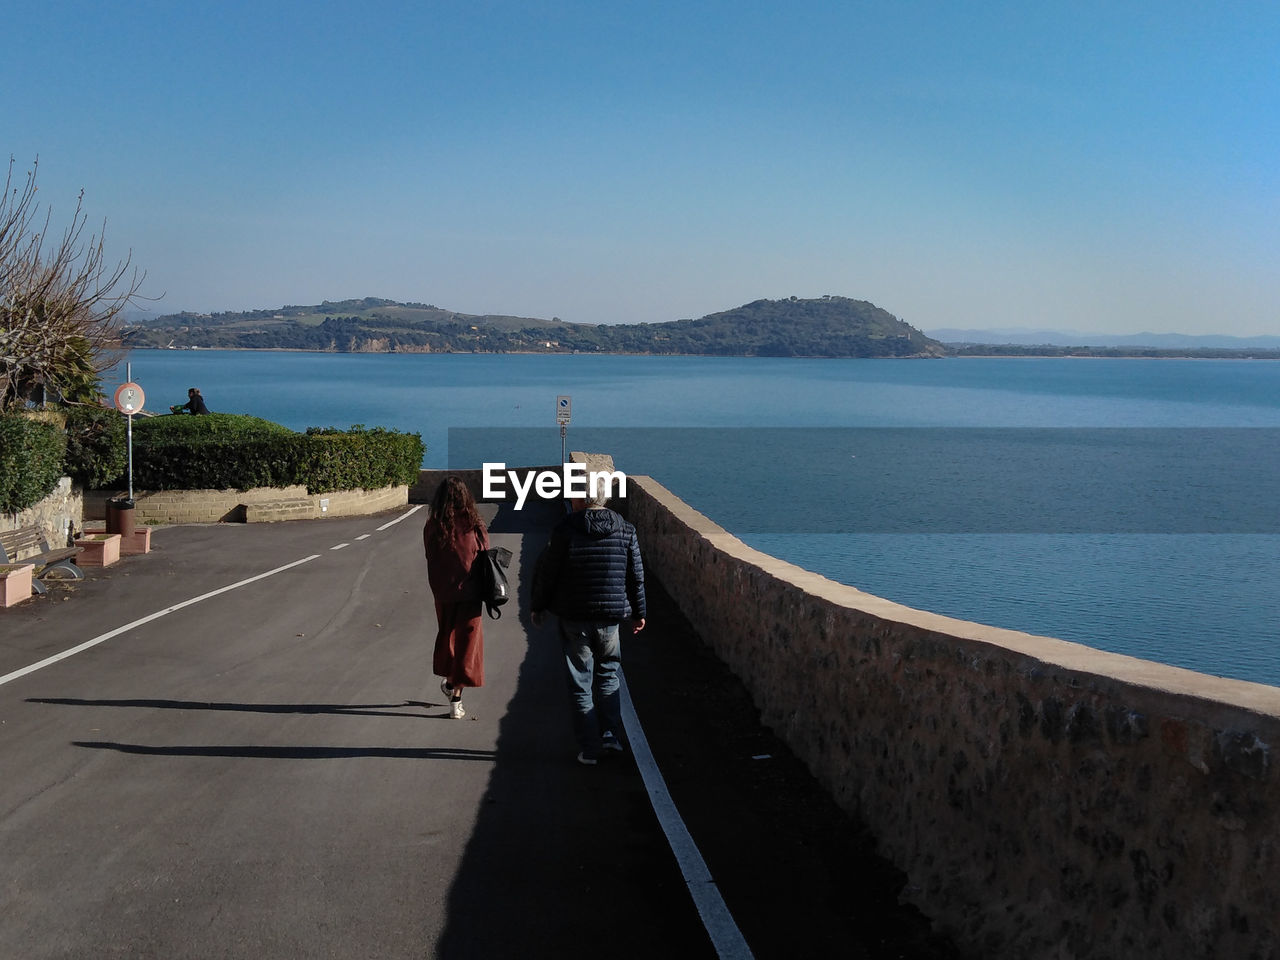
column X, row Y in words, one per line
column 454, row 510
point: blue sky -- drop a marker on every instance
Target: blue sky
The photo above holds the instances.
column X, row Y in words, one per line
column 1109, row 167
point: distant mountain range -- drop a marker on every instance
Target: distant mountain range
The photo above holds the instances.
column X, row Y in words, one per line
column 791, row 327
column 1026, row 336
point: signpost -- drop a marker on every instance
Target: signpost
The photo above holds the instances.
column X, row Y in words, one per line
column 564, row 408
column 129, row 400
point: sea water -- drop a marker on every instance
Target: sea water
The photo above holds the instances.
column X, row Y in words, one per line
column 1128, row 504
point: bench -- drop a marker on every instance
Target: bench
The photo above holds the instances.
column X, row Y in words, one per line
column 28, row 545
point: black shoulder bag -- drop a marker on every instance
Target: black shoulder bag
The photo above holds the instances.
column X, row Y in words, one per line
column 490, row 571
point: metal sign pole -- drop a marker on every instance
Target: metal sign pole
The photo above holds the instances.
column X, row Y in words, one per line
column 129, row 400
column 564, row 408
column 130, row 432
column 128, row 375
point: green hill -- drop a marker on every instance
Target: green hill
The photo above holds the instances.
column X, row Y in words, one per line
column 824, row 327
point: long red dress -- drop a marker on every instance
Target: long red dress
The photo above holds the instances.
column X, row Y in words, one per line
column 459, row 650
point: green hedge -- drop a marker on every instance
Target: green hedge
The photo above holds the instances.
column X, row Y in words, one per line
column 218, row 451
column 31, row 458
column 97, row 450
column 225, row 451
column 332, row 459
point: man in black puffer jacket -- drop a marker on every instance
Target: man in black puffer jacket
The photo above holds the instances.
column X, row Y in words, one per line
column 591, row 576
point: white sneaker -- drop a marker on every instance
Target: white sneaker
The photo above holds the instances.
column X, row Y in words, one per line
column 456, row 710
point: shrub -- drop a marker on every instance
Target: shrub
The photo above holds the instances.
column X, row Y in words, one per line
column 184, row 427
column 333, row 459
column 217, row 451
column 224, row 451
column 97, row 445
column 31, row 459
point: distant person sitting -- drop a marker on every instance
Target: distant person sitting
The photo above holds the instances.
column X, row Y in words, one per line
column 195, row 402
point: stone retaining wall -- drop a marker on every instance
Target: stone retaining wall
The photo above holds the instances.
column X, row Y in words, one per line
column 239, row 506
column 57, row 515
column 428, row 480
column 424, row 490
column 1046, row 800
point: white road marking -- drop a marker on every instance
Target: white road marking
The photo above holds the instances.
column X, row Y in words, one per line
column 716, row 918
column 49, row 661
column 147, row 619
column 403, row 516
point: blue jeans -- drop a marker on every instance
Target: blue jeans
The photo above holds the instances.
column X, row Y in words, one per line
column 593, row 657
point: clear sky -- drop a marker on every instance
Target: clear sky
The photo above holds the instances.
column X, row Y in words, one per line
column 1101, row 166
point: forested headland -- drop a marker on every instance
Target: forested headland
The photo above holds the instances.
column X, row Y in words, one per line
column 792, row 327
column 828, row 326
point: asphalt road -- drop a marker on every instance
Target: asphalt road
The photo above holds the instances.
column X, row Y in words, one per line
column 270, row 771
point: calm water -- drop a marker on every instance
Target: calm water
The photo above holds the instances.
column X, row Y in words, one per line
column 1118, row 503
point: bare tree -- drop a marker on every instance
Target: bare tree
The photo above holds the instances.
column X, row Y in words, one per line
column 60, row 302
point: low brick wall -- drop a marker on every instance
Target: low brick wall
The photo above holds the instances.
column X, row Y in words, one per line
column 57, row 515
column 240, row 506
column 1046, row 800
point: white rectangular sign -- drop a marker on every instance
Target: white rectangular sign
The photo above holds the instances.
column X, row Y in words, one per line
column 563, row 408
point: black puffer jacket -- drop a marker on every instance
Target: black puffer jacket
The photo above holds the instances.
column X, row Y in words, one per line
column 591, row 570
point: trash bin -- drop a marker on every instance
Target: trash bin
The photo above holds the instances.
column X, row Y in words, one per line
column 120, row 516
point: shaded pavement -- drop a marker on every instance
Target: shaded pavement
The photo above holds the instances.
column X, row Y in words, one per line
column 269, row 772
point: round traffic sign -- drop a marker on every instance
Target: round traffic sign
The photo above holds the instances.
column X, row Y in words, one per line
column 129, row 398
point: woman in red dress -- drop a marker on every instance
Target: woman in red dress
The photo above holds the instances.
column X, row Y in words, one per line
column 453, row 536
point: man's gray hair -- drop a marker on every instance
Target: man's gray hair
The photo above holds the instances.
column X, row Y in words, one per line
column 600, row 488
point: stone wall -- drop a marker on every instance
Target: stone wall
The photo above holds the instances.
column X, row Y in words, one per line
column 424, row 490
column 56, row 515
column 428, row 480
column 1046, row 800
column 240, row 506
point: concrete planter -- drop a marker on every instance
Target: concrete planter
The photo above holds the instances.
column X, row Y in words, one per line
column 100, row 549
column 15, row 583
column 137, row 542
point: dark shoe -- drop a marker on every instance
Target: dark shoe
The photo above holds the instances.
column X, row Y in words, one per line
column 588, row 759
column 610, row 742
